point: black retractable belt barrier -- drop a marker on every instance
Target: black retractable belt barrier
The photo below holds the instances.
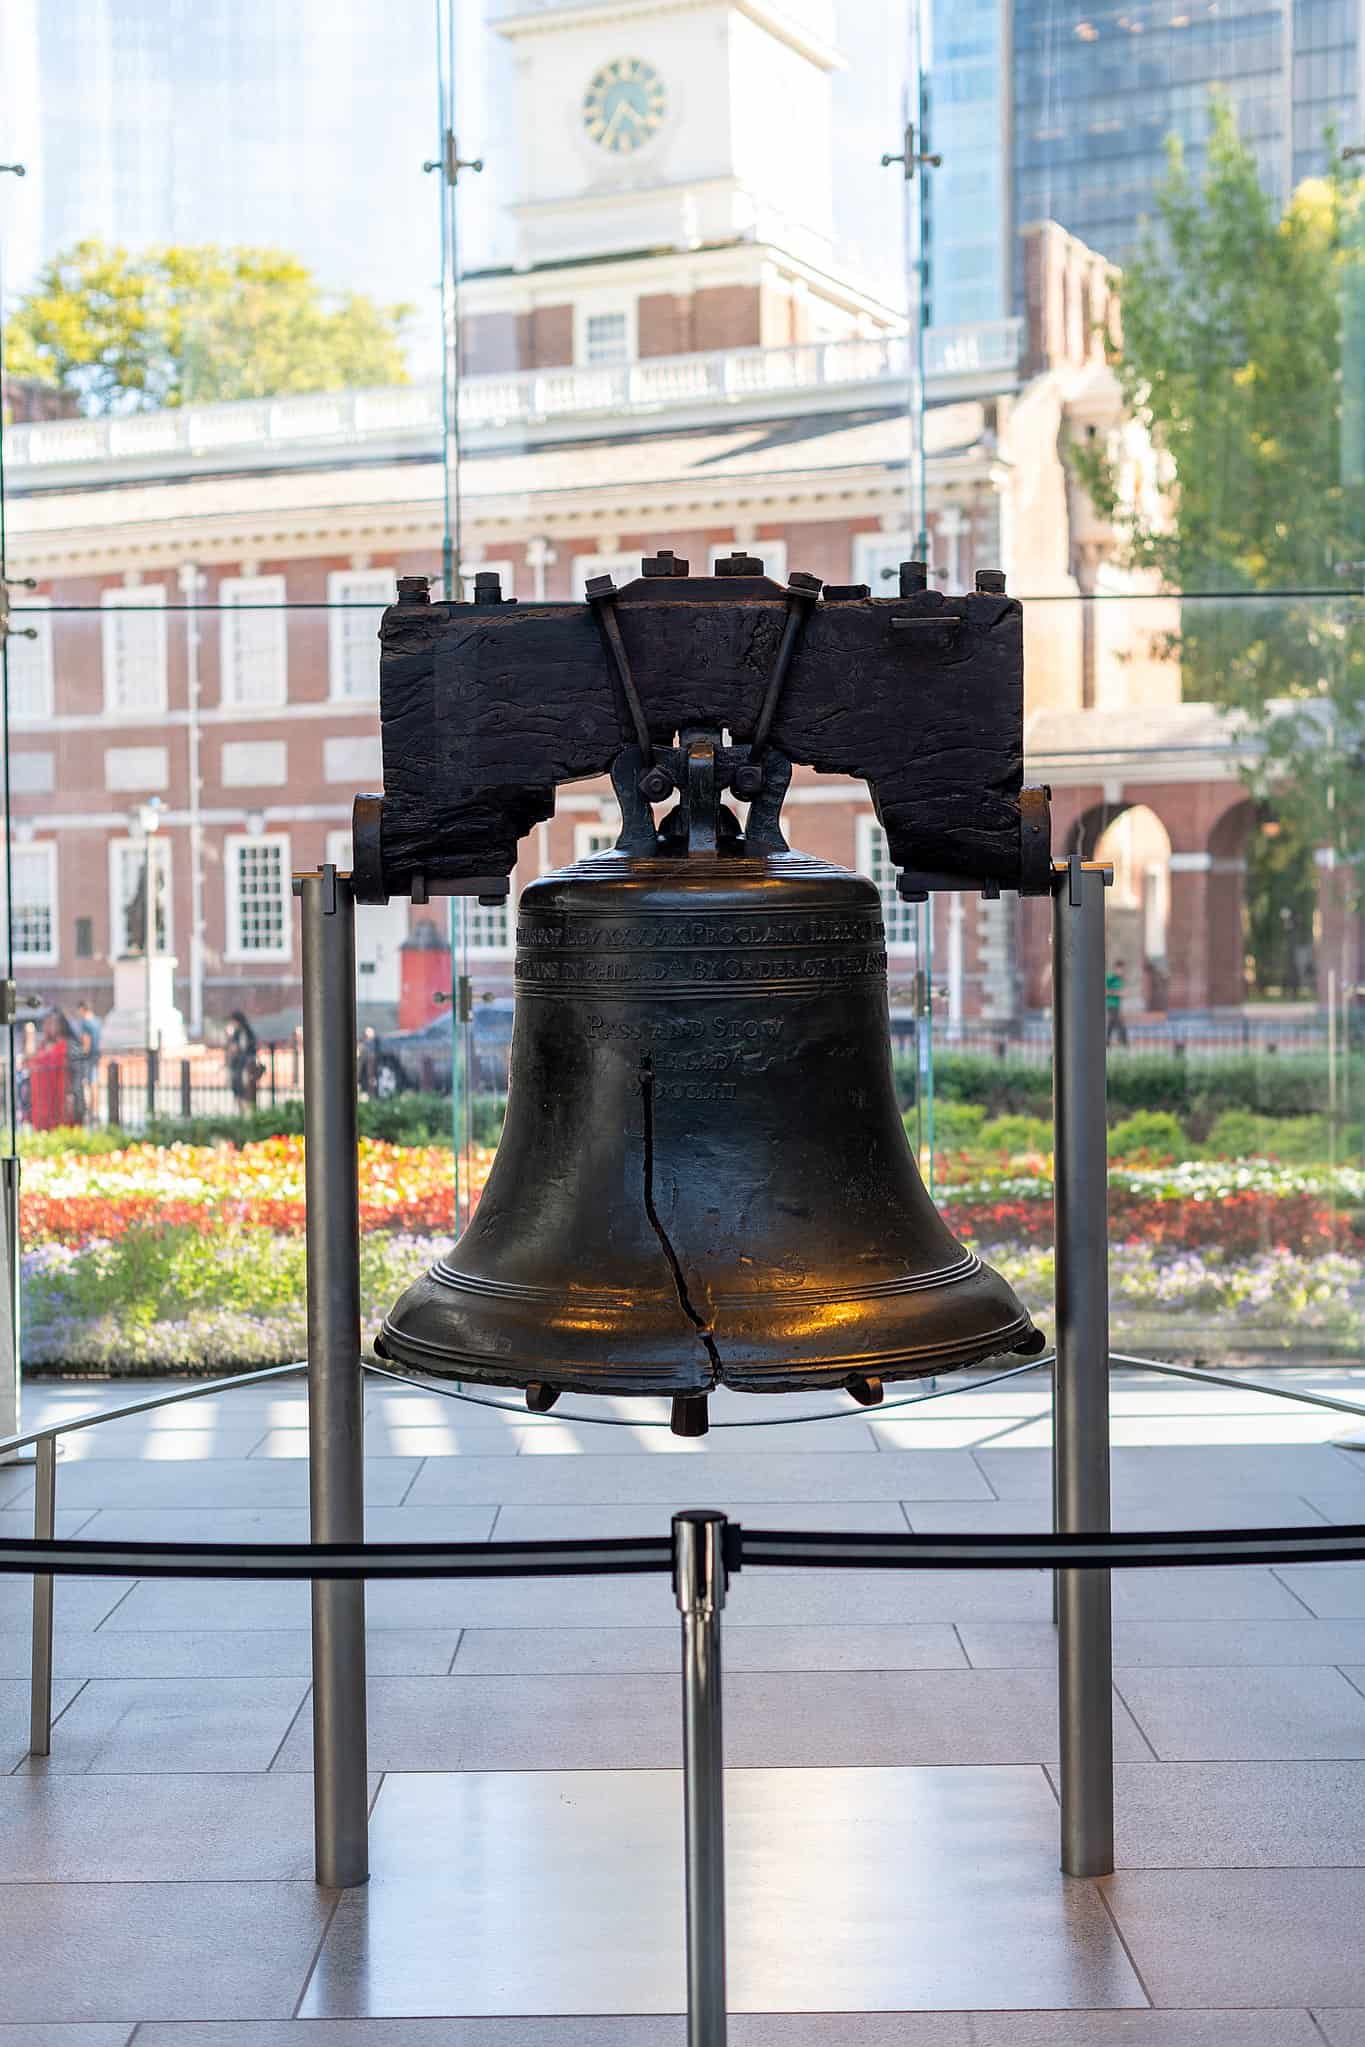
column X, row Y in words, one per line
column 752, row 1548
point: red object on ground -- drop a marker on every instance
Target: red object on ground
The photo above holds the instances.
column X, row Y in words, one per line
column 48, row 1086
column 425, row 981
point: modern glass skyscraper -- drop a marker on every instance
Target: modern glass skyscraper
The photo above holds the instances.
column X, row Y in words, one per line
column 1086, row 95
column 967, row 200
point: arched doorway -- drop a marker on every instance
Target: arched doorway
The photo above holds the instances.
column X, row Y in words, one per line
column 1137, row 845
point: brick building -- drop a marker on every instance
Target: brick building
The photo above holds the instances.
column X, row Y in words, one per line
column 673, row 360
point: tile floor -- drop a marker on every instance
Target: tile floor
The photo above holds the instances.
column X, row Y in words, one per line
column 891, row 1739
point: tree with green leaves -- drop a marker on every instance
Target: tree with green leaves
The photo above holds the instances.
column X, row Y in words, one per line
column 184, row 325
column 1242, row 353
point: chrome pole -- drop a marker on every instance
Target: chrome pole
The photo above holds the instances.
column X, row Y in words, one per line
column 336, row 1447
column 9, row 1293
column 699, row 1583
column 44, row 1530
column 1081, row 1408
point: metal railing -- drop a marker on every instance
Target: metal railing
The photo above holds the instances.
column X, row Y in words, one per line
column 983, row 354
column 704, row 1549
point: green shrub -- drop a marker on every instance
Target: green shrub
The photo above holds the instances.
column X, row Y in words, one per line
column 1015, row 1135
column 403, row 1119
column 957, row 1125
column 72, row 1137
column 1153, row 1131
column 1241, row 1134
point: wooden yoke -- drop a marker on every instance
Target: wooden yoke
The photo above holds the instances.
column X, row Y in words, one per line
column 487, row 708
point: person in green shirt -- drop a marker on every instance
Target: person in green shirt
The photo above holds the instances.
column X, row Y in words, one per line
column 1114, row 1026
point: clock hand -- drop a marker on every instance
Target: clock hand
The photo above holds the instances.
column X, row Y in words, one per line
column 617, row 111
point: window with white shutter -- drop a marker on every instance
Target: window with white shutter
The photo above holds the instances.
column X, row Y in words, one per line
column 358, row 598
column 33, row 893
column 875, row 862
column 258, row 897
column 29, row 661
column 135, row 649
column 252, row 644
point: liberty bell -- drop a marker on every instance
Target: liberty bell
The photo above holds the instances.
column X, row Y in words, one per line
column 703, row 1178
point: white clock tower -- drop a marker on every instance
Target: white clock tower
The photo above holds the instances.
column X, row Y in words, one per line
column 651, row 125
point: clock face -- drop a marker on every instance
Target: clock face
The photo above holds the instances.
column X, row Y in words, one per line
column 624, row 105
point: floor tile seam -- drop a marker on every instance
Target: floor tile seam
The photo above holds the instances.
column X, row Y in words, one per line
column 1142, row 1733
column 1345, row 1670
column 292, row 1724
column 422, row 1463
column 21, row 1767
column 1276, row 1572
column 460, row 1634
column 316, row 1957
column 115, row 1607
column 982, row 1474
column 1100, row 1891
column 1316, row 2023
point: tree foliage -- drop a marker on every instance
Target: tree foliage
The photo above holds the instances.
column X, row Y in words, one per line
column 1242, row 352
column 180, row 325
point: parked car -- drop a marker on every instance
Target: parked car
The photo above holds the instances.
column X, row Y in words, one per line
column 422, row 1059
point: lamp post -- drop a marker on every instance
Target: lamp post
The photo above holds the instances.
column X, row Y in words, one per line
column 144, row 821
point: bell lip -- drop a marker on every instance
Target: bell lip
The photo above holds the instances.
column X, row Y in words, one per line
column 604, row 1299
column 779, row 1375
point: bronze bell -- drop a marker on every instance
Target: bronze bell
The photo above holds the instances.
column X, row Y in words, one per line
column 703, row 1178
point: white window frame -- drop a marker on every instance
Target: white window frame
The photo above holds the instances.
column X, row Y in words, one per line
column 866, row 546
column 506, row 570
column 162, row 861
column 35, row 654
column 595, row 837
column 772, row 554
column 35, row 849
column 256, row 591
column 340, row 585
column 622, row 568
column 898, row 916
column 468, row 910
column 621, row 305
column 234, row 844
column 150, row 600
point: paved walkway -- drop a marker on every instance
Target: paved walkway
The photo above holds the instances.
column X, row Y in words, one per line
column 892, row 1816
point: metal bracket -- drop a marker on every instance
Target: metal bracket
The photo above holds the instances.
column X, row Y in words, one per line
column 910, row 157
column 450, row 163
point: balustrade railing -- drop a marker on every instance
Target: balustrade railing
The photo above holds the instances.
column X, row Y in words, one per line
column 989, row 351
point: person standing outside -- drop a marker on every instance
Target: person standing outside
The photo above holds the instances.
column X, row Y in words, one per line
column 1115, row 1029
column 87, row 1060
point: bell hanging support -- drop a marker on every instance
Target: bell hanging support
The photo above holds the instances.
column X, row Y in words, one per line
column 703, row 1178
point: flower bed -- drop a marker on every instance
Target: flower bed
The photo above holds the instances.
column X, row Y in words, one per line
column 190, row 1257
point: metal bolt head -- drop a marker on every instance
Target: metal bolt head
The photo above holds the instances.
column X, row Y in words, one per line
column 807, row 586
column 914, row 576
column 747, row 781
column 655, row 784
column 488, row 587
column 414, row 589
column 991, row 582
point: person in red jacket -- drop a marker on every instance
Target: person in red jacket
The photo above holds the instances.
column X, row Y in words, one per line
column 49, row 1075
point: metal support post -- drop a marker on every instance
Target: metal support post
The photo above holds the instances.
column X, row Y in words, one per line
column 44, row 1530
column 335, row 1403
column 10, row 1303
column 1081, row 1409
column 699, row 1582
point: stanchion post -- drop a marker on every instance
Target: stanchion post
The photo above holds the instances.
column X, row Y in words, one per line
column 699, row 1582
column 335, row 1399
column 44, row 1530
column 1081, row 1404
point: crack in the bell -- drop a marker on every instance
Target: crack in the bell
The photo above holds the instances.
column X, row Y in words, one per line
column 698, row 1321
